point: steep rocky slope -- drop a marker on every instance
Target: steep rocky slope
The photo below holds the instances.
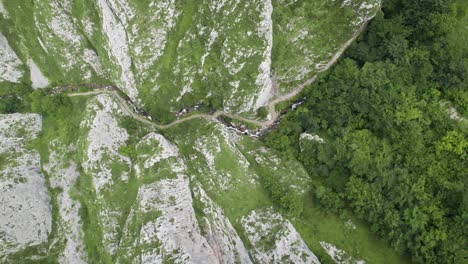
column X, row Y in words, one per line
column 25, row 211
column 167, row 55
column 162, row 203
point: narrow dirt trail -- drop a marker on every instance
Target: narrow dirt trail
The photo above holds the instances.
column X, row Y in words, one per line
column 123, row 104
column 296, row 91
column 271, row 107
column 132, row 113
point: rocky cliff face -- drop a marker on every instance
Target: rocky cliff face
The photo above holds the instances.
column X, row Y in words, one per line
column 25, row 210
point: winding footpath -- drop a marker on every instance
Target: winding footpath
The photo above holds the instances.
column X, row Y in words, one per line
column 122, row 103
column 264, row 125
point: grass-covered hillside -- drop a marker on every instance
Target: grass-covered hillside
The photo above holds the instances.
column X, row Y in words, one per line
column 167, row 55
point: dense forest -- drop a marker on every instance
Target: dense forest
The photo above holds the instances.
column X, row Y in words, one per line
column 391, row 153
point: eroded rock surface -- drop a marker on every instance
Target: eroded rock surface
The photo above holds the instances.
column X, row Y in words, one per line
column 109, row 170
column 10, row 70
column 275, row 239
column 63, row 175
column 339, row 256
column 221, row 235
column 25, row 210
column 164, row 209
